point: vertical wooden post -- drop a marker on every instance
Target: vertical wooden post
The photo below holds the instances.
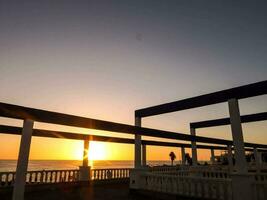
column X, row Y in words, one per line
column 22, row 165
column 144, row 155
column 85, row 152
column 212, row 156
column 137, row 145
column 183, row 155
column 241, row 180
column 85, row 170
column 238, row 140
column 194, row 147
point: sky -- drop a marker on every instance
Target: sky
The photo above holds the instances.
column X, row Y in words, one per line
column 105, row 59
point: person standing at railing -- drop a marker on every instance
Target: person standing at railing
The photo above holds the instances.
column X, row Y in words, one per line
column 172, row 157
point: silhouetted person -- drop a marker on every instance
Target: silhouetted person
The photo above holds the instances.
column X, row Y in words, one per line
column 172, row 157
column 188, row 159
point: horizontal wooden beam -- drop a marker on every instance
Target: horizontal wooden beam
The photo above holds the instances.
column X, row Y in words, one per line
column 226, row 121
column 251, row 90
column 20, row 112
column 78, row 136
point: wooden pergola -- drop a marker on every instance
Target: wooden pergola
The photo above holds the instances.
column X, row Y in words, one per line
column 31, row 115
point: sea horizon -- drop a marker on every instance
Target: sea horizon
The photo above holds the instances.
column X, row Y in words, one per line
column 35, row 165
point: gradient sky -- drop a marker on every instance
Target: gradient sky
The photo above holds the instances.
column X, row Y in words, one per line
column 105, row 59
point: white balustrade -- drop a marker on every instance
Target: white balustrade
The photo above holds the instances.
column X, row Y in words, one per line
column 41, row 177
column 202, row 187
column 260, row 186
column 106, row 174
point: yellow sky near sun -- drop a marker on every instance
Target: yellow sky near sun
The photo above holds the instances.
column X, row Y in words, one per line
column 64, row 149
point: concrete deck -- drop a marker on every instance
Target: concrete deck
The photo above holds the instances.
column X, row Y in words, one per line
column 102, row 191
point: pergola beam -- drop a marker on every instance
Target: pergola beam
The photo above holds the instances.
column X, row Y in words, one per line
column 78, row 136
column 246, row 91
column 226, row 121
column 20, row 112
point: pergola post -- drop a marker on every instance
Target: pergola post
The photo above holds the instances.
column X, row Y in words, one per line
column 212, row 156
column 230, row 158
column 257, row 159
column 85, row 174
column 237, row 134
column 137, row 145
column 135, row 174
column 144, row 155
column 22, row 165
column 241, row 181
column 85, row 152
column 194, row 147
column 183, row 155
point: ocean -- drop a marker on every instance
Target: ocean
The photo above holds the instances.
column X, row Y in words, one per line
column 10, row 165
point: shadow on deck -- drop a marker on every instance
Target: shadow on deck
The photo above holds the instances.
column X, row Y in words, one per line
column 111, row 190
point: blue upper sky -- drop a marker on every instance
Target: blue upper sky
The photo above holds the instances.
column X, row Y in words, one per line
column 104, row 59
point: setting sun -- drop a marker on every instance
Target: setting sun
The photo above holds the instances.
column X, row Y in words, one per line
column 97, row 151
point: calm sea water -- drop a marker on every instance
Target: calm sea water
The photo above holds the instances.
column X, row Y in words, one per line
column 10, row 165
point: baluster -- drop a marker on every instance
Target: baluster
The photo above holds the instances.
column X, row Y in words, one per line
column 102, row 174
column 43, row 176
column 33, row 177
column 106, row 174
column 99, row 174
column 58, row 177
column 98, row 177
column 62, row 176
column 113, row 174
column 28, row 177
column 74, row 175
column 71, row 176
column 5, row 181
column 67, row 176
column 94, row 174
column 9, row 177
column 1, row 180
